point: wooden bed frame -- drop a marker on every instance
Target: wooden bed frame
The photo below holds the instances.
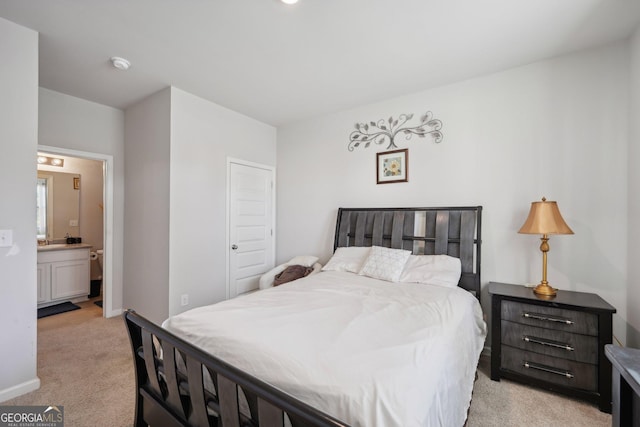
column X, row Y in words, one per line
column 178, row 384
column 168, row 396
column 424, row 231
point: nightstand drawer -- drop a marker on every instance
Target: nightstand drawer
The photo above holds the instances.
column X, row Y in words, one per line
column 551, row 318
column 581, row 348
column 550, row 369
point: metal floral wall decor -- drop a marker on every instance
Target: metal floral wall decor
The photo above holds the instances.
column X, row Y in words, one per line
column 383, row 130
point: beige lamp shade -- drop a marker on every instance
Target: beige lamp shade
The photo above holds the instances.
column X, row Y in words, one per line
column 544, row 218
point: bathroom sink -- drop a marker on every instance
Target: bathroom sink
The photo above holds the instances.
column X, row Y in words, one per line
column 59, row 246
column 52, row 247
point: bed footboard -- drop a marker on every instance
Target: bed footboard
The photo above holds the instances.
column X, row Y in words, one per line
column 178, row 384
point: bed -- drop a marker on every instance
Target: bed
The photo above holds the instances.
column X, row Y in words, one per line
column 347, row 346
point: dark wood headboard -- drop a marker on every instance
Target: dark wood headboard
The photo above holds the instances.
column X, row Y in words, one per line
column 424, row 231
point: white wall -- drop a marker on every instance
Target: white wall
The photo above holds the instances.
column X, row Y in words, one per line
column 556, row 128
column 146, row 241
column 18, row 144
column 72, row 123
column 203, row 135
column 177, row 146
column 633, row 292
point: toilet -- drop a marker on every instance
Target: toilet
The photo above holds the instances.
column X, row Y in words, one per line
column 96, row 279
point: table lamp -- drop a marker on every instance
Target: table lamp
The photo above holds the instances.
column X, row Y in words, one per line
column 544, row 218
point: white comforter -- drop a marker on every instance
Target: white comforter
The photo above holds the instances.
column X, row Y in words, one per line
column 368, row 352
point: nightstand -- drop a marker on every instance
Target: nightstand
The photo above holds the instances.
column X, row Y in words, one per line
column 626, row 385
column 557, row 344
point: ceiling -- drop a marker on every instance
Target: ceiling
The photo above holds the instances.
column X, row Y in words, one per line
column 281, row 63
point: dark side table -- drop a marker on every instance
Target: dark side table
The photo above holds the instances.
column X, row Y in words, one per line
column 557, row 343
column 626, row 385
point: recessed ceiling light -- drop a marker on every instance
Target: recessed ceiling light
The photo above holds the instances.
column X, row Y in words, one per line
column 289, row 1
column 120, row 63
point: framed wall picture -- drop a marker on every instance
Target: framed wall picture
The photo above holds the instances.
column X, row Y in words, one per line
column 392, row 166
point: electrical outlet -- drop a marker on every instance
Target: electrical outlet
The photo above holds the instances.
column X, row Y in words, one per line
column 184, row 299
column 73, row 223
column 6, row 238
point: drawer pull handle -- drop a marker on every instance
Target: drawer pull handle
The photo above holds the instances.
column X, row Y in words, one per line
column 530, row 365
column 547, row 318
column 549, row 343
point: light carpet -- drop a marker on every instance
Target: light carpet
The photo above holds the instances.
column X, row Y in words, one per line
column 85, row 365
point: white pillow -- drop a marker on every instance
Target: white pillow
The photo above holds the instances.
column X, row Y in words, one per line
column 385, row 263
column 303, row 260
column 442, row 270
column 348, row 259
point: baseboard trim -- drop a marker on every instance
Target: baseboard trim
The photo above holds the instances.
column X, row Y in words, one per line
column 19, row 390
column 114, row 313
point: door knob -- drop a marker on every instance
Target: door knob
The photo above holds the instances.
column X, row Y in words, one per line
column 234, row 247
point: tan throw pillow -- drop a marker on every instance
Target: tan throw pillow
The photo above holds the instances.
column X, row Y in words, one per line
column 293, row 272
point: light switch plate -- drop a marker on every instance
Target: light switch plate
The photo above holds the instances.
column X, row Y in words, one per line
column 73, row 223
column 6, row 238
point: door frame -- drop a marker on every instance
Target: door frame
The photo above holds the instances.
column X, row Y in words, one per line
column 272, row 169
column 107, row 217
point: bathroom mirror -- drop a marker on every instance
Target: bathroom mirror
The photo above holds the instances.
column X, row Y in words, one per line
column 58, row 205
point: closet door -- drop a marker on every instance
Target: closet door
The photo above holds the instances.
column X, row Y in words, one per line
column 251, row 251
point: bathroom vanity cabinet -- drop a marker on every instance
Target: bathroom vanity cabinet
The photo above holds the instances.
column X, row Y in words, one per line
column 63, row 273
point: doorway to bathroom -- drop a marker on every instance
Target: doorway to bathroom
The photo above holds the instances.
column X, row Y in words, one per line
column 84, row 216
